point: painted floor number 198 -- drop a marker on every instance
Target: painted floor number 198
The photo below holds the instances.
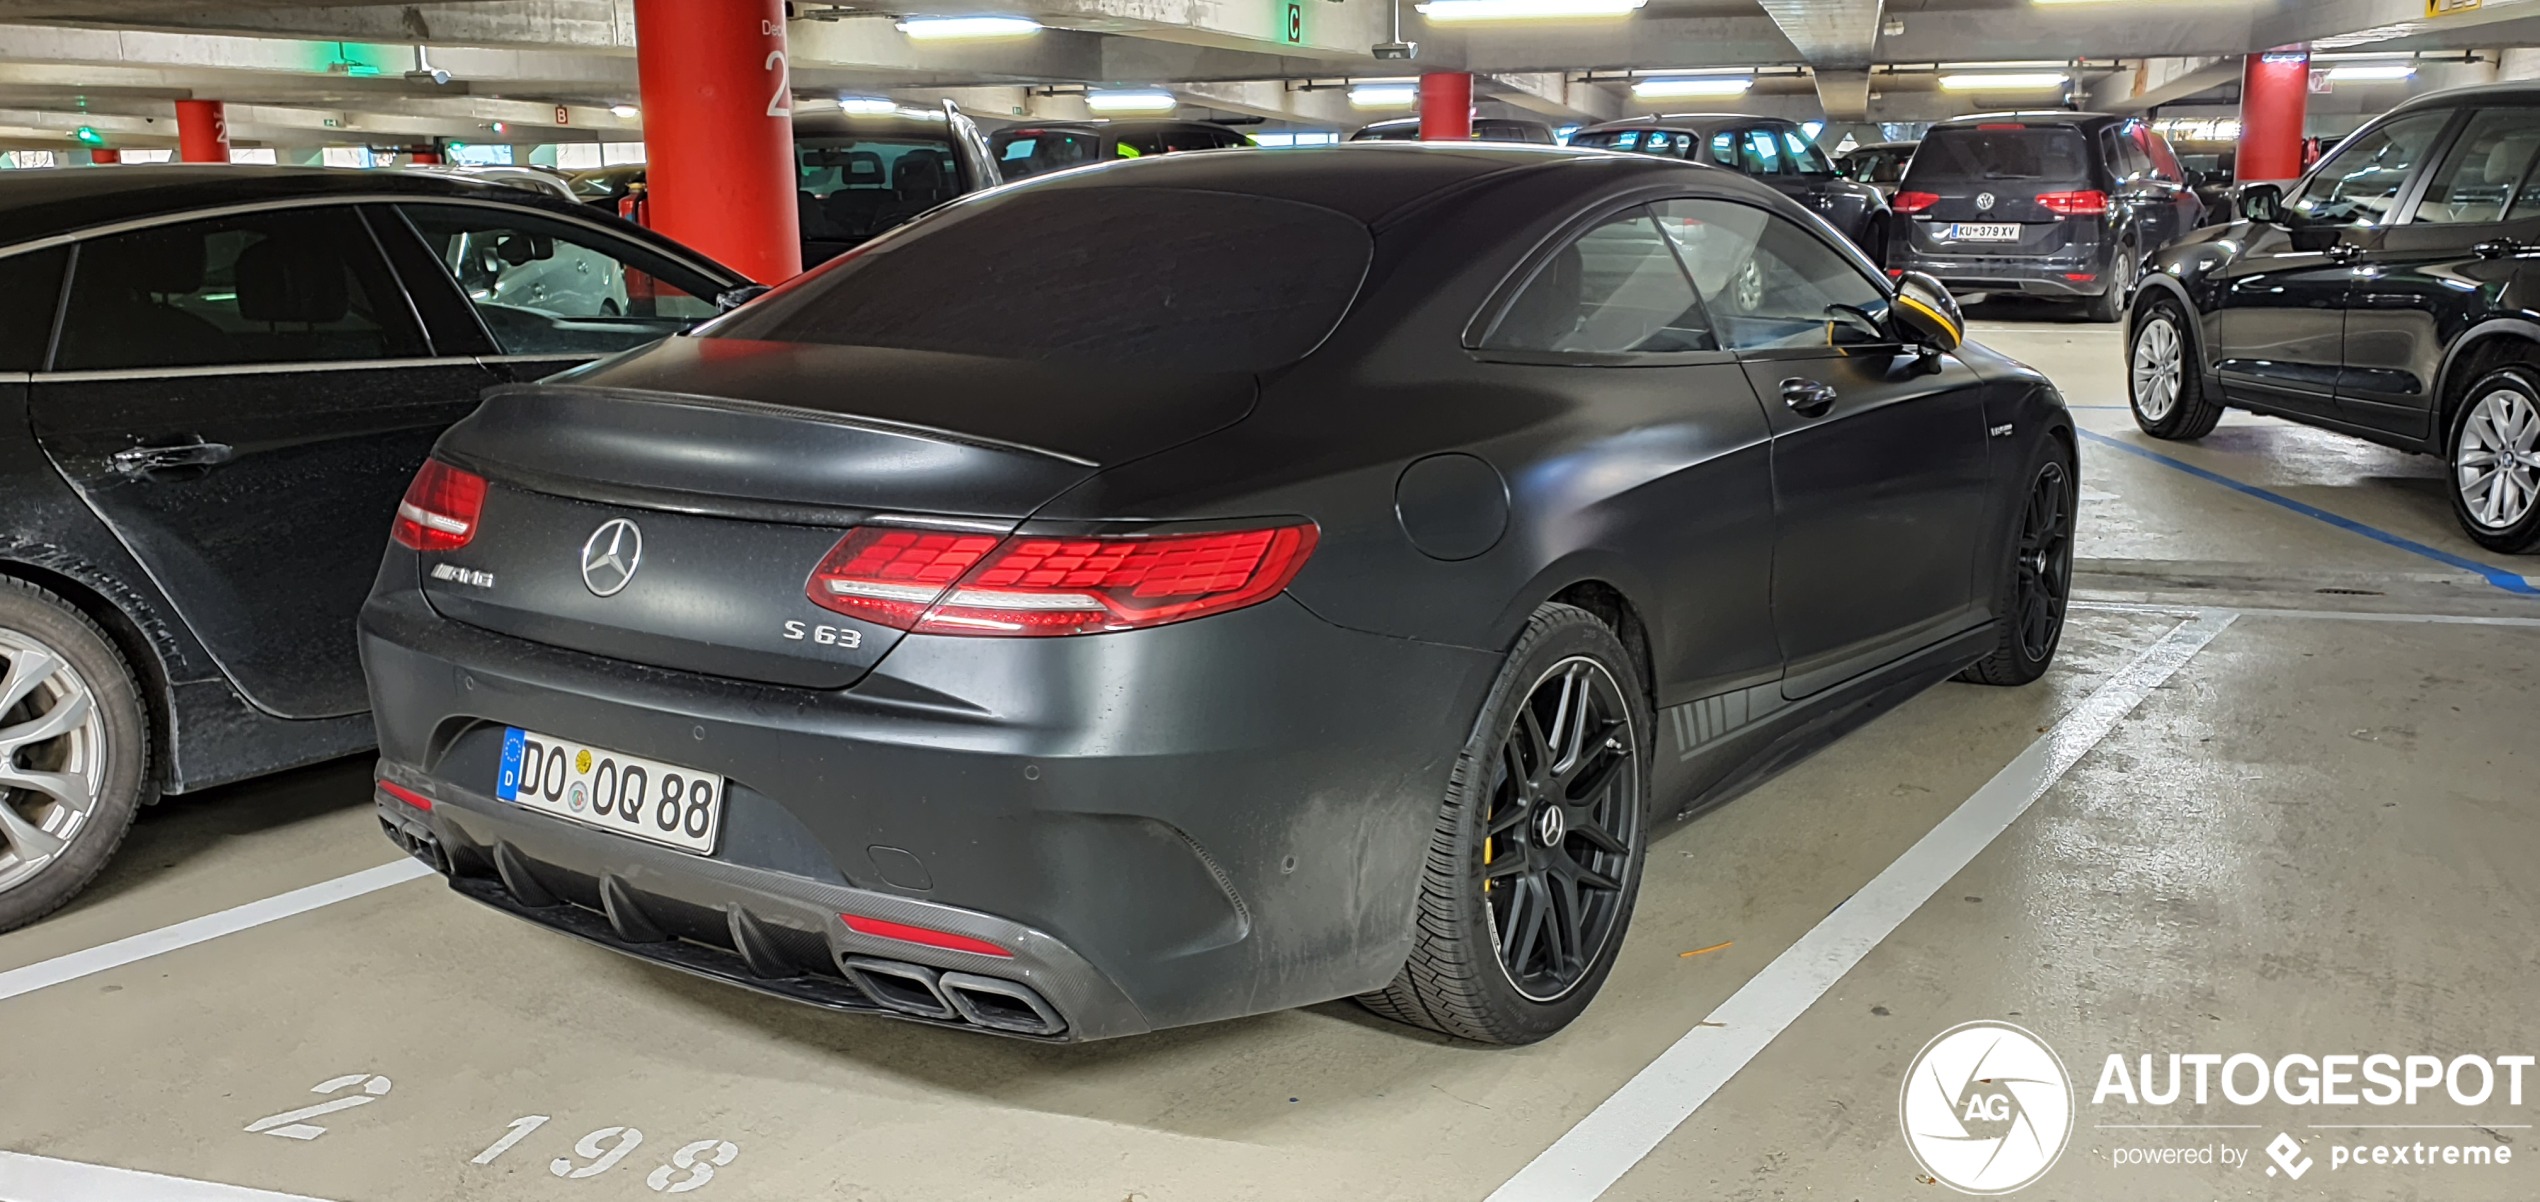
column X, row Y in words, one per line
column 689, row 1168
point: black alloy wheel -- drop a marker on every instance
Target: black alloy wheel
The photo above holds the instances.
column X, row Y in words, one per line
column 2036, row 588
column 1563, row 822
column 1532, row 870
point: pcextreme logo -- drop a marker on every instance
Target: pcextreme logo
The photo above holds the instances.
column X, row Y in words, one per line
column 1987, row 1108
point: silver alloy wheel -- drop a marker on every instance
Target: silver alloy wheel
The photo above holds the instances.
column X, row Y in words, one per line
column 52, row 753
column 2157, row 366
column 2496, row 465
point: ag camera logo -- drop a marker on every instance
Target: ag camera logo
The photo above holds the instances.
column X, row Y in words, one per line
column 1987, row 1108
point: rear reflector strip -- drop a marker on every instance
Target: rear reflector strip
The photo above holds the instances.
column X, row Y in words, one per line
column 408, row 796
column 927, row 936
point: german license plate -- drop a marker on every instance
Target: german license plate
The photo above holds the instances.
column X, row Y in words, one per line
column 1980, row 232
column 646, row 799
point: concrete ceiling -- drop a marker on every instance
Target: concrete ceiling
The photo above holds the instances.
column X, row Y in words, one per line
column 304, row 74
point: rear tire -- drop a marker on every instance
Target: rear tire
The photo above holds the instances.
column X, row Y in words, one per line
column 1535, row 863
column 74, row 751
column 2495, row 459
column 2164, row 386
column 2034, row 590
column 2110, row 306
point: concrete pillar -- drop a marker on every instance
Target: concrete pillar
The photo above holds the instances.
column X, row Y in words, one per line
column 202, row 131
column 719, row 130
column 1446, row 106
column 2275, row 96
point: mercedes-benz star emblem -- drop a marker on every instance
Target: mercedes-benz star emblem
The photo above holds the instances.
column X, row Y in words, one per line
column 611, row 556
column 1984, row 202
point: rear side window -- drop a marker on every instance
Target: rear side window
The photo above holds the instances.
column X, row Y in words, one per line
column 301, row 286
column 2054, row 153
column 1618, row 289
column 30, row 289
column 1170, row 278
column 1026, row 152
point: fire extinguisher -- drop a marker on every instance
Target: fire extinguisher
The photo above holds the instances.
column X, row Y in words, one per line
column 635, row 206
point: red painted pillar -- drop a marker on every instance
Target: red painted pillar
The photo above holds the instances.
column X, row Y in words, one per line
column 1446, row 106
column 202, row 132
column 719, row 130
column 105, row 154
column 2275, row 93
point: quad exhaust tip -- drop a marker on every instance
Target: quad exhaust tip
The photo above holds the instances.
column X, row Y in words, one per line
column 922, row 992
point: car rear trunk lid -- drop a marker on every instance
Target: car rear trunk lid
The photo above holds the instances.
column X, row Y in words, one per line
column 720, row 472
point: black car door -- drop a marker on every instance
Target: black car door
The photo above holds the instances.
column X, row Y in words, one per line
column 2427, row 278
column 2278, row 326
column 1881, row 482
column 1611, row 316
column 242, row 399
column 537, row 293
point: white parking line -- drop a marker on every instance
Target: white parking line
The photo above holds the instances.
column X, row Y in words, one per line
column 169, row 938
column 25, row 1178
column 2307, row 615
column 1594, row 1154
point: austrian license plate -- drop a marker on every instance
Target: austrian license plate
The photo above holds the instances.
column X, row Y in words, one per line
column 1980, row 232
column 647, row 799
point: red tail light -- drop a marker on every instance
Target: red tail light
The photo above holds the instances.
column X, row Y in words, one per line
column 944, row 583
column 440, row 509
column 2092, row 203
column 1914, row 202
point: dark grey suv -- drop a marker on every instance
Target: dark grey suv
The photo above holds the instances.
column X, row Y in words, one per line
column 2056, row 205
column 1780, row 153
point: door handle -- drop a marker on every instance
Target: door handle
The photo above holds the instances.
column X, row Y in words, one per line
column 2342, row 252
column 1808, row 398
column 2497, row 248
column 141, row 461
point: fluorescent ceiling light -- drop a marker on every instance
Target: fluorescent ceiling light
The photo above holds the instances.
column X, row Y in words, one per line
column 1132, row 100
column 623, row 111
column 1383, row 96
column 2037, row 82
column 868, row 106
column 945, row 29
column 1448, row 11
column 2384, row 73
column 1714, row 85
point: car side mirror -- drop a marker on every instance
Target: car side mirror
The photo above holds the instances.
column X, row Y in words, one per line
column 517, row 249
column 733, row 298
column 1926, row 314
column 2262, row 202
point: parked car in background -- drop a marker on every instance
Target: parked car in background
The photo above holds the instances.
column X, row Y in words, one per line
column 2212, row 173
column 1780, row 153
column 1881, row 165
column 223, row 381
column 857, row 174
column 2056, row 205
column 1035, row 147
column 1130, row 610
column 2393, row 293
column 1485, row 129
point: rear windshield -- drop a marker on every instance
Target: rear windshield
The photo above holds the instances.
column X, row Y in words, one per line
column 2045, row 152
column 1168, row 278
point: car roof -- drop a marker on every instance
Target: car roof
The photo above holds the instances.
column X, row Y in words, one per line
column 1688, row 122
column 50, row 202
column 60, row 200
column 1885, row 146
column 839, row 123
column 1366, row 180
column 2028, row 117
column 1122, row 127
column 2510, row 91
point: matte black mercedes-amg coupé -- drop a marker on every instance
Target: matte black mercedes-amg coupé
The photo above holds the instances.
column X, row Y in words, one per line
column 1199, row 586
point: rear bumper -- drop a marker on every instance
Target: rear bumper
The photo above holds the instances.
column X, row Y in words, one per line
column 2048, row 275
column 1162, row 827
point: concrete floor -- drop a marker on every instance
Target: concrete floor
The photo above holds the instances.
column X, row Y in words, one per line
column 2313, row 835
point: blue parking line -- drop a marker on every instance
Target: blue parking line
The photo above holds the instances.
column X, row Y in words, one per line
column 2499, row 577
